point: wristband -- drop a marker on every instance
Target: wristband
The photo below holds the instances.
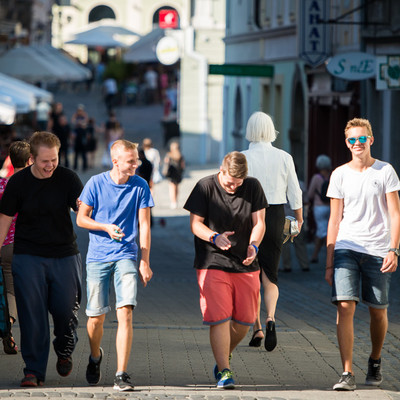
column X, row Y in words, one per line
column 213, row 237
column 256, row 248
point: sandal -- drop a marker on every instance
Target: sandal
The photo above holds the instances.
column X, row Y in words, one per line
column 9, row 345
column 256, row 340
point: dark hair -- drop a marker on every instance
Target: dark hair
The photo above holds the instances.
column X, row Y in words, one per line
column 20, row 153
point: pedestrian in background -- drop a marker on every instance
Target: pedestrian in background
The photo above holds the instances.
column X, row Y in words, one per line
column 43, row 110
column 91, row 144
column 153, row 155
column 275, row 170
column 362, row 246
column 115, row 207
column 63, row 132
column 174, row 166
column 227, row 213
column 80, row 121
column 20, row 154
column 47, row 266
column 320, row 202
column 110, row 92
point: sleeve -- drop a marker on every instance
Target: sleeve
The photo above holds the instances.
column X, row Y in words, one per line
column 9, row 204
column 392, row 180
column 293, row 193
column 146, row 199
column 87, row 195
column 197, row 201
column 334, row 189
column 75, row 191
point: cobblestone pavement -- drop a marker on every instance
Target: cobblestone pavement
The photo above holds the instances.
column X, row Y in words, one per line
column 171, row 356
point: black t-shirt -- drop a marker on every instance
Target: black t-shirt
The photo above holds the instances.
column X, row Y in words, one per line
column 223, row 212
column 44, row 227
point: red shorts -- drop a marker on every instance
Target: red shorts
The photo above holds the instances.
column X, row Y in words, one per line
column 228, row 296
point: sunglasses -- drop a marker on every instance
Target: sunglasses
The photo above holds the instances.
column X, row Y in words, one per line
column 361, row 139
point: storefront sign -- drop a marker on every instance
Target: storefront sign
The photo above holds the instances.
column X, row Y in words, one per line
column 168, row 19
column 314, row 32
column 352, row 66
column 241, row 70
column 387, row 72
column 167, row 50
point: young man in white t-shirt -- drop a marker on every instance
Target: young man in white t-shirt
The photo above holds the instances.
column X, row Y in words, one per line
column 362, row 246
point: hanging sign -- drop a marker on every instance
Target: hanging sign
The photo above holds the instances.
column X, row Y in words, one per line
column 354, row 66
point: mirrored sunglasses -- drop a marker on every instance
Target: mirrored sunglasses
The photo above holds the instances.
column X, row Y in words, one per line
column 361, row 139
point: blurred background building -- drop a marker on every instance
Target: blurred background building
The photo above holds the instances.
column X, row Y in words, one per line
column 311, row 64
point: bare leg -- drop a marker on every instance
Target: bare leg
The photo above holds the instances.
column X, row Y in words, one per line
column 95, row 333
column 345, row 332
column 378, row 329
column 271, row 295
column 124, row 337
column 257, row 325
column 173, row 194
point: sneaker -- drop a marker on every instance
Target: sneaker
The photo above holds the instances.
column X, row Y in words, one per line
column 121, row 383
column 346, row 382
column 9, row 345
column 374, row 375
column 217, row 374
column 226, row 380
column 31, row 380
column 64, row 366
column 93, row 373
column 270, row 336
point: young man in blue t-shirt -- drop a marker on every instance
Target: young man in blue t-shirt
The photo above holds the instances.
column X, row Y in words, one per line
column 115, row 207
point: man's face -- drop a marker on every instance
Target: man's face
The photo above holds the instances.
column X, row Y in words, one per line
column 127, row 161
column 229, row 183
column 45, row 163
column 359, row 148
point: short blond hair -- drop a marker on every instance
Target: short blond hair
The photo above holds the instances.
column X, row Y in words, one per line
column 122, row 144
column 260, row 128
column 235, row 164
column 42, row 138
column 358, row 122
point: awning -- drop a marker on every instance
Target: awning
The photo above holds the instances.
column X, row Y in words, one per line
column 24, row 102
column 36, row 64
column 144, row 50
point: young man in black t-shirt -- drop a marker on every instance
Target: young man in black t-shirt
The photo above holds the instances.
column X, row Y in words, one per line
column 47, row 266
column 227, row 214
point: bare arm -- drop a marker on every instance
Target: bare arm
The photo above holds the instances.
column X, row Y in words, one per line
column 84, row 220
column 390, row 262
column 333, row 230
column 256, row 235
column 298, row 214
column 5, row 223
column 145, row 271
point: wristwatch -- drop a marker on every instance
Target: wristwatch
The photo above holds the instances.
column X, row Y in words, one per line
column 395, row 251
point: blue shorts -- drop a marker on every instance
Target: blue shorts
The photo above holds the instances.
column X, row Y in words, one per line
column 351, row 269
column 98, row 280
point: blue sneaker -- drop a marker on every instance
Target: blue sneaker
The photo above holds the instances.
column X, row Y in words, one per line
column 217, row 374
column 226, row 381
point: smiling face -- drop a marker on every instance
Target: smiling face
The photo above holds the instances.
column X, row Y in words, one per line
column 229, row 183
column 126, row 161
column 45, row 162
column 359, row 149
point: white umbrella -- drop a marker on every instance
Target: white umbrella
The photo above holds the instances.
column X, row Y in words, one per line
column 13, row 85
column 7, row 110
column 144, row 50
column 94, row 38
column 27, row 64
column 24, row 102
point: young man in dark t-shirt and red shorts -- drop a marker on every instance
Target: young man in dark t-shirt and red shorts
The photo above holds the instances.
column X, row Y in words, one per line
column 227, row 217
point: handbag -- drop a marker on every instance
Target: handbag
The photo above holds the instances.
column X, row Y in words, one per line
column 290, row 228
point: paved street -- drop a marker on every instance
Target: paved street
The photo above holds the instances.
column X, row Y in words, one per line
column 171, row 356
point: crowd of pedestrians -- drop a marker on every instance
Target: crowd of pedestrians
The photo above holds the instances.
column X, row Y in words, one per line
column 237, row 217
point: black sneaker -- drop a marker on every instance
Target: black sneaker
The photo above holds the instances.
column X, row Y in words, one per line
column 64, row 366
column 346, row 382
column 121, row 383
column 93, row 373
column 374, row 375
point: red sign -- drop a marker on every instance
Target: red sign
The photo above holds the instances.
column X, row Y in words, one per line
column 168, row 19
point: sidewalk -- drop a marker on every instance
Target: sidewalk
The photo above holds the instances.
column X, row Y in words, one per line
column 171, row 356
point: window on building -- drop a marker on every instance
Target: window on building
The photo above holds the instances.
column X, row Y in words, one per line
column 101, row 12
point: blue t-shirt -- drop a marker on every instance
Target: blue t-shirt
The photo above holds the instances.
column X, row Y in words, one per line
column 119, row 205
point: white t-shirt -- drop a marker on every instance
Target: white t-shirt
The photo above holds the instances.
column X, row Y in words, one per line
column 365, row 226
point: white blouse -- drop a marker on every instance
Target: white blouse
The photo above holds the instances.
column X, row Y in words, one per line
column 274, row 168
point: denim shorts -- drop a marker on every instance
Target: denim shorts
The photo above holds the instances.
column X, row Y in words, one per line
column 98, row 285
column 354, row 271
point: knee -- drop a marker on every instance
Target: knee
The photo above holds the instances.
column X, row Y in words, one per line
column 378, row 315
column 346, row 308
column 95, row 323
